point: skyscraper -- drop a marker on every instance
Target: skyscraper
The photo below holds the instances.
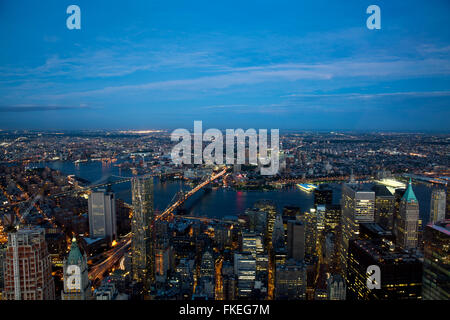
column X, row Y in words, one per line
column 332, row 216
column 278, row 232
column 27, row 267
column 102, row 215
column 436, row 264
column 358, row 206
column 245, row 270
column 408, row 224
column 207, row 265
column 290, row 281
column 270, row 208
column 447, row 211
column 437, row 205
column 309, row 219
column 141, row 229
column 252, row 243
column 384, row 206
column 296, row 240
column 400, row 271
column 75, row 275
column 323, row 195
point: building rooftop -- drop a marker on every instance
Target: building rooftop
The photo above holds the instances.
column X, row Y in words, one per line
column 409, row 195
column 75, row 254
column 442, row 226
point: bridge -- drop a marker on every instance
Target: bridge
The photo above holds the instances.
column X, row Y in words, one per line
column 182, row 197
column 317, row 180
column 114, row 255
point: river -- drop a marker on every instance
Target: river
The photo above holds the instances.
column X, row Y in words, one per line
column 216, row 203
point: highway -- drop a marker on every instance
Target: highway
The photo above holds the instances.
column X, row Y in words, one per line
column 116, row 254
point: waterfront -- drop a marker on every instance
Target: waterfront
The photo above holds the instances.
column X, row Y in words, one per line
column 215, row 203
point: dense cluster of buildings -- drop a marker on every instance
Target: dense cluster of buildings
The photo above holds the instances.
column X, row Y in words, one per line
column 92, row 245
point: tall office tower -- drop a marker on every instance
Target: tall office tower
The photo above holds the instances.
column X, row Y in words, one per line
column 3, row 247
column 28, row 274
column 398, row 195
column 436, row 264
column 245, row 271
column 320, row 213
column 330, row 252
column 223, row 236
column 163, row 259
column 384, row 207
column 357, row 204
column 271, row 209
column 184, row 272
column 447, row 211
column 102, row 215
column 336, row 288
column 229, row 287
column 437, row 207
column 207, row 265
column 323, row 195
column 257, row 220
column 75, row 275
column 290, row 281
column 408, row 224
column 142, row 234
column 332, row 216
column 278, row 233
column 252, row 243
column 296, row 240
column 400, row 271
column 310, row 222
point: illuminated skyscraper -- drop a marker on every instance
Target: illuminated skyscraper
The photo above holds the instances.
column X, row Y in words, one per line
column 102, row 215
column 270, row 208
column 437, row 205
column 384, row 206
column 408, row 224
column 447, row 211
column 141, row 228
column 207, row 265
column 436, row 264
column 309, row 219
column 332, row 216
column 252, row 243
column 357, row 204
column 75, row 275
column 27, row 267
column 400, row 271
column 323, row 195
column 245, row 270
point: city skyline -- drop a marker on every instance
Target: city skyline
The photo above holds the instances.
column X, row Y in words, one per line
column 310, row 66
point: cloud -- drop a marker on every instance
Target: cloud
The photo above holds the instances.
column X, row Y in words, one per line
column 373, row 95
column 344, row 69
column 39, row 108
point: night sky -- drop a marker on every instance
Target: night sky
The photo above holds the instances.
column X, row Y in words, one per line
column 249, row 64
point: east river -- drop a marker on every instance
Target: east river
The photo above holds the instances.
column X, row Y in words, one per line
column 219, row 202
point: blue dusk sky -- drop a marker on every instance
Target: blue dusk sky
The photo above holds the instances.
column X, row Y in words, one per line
column 232, row 64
